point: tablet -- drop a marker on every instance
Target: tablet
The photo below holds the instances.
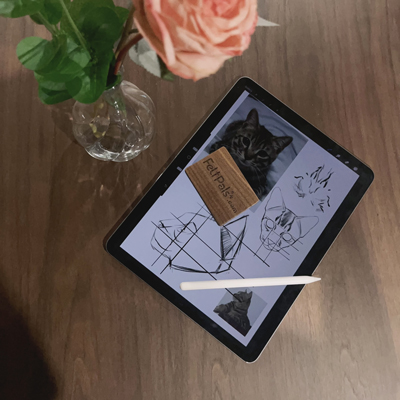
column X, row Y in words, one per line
column 307, row 186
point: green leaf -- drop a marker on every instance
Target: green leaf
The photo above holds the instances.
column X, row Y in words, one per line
column 78, row 10
column 52, row 96
column 166, row 74
column 52, row 11
column 75, row 58
column 69, row 61
column 19, row 8
column 88, row 87
column 35, row 53
column 46, row 83
column 101, row 28
column 122, row 13
column 99, row 21
column 89, row 5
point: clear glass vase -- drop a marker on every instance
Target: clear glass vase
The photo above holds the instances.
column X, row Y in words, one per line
column 118, row 126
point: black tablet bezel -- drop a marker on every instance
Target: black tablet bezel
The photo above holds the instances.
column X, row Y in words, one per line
column 250, row 352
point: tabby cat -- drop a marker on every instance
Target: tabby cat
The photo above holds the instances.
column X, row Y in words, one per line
column 235, row 312
column 281, row 227
column 254, row 148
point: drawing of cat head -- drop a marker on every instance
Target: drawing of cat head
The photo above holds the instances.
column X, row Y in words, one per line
column 281, row 227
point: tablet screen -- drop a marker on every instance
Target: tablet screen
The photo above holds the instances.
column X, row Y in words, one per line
column 300, row 186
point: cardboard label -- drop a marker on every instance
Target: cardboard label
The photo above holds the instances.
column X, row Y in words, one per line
column 222, row 186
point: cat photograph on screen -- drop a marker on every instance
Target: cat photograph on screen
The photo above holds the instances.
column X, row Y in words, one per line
column 240, row 308
column 235, row 312
column 261, row 144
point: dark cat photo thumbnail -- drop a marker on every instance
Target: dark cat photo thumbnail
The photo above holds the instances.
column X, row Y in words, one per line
column 254, row 148
column 235, row 312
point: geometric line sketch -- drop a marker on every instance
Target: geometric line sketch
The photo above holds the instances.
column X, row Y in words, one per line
column 281, row 228
column 172, row 236
column 314, row 188
column 232, row 235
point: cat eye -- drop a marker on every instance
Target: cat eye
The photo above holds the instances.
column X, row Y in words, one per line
column 270, row 224
column 262, row 154
column 245, row 141
column 287, row 237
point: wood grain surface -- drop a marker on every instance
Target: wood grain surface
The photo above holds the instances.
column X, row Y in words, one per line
column 76, row 325
column 221, row 185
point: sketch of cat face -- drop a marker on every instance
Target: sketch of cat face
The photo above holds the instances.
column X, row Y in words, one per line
column 280, row 227
column 314, row 187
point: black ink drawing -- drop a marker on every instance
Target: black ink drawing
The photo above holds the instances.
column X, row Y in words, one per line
column 235, row 312
column 281, row 227
column 314, row 187
column 171, row 237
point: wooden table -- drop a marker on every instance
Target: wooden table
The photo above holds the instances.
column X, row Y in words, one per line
column 74, row 324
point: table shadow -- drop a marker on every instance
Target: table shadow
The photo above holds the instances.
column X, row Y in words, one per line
column 24, row 374
column 61, row 114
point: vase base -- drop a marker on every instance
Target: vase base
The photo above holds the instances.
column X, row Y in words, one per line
column 101, row 154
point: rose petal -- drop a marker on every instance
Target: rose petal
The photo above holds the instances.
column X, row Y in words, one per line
column 195, row 37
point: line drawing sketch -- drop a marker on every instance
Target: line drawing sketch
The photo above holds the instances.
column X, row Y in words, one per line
column 172, row 236
column 314, row 187
column 281, row 228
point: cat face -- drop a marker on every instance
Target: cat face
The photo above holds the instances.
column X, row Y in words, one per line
column 252, row 146
column 280, row 227
column 243, row 297
column 242, row 300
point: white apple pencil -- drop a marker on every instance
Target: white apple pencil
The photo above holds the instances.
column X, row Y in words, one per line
column 252, row 282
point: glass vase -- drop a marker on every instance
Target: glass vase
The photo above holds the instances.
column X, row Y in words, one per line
column 118, row 126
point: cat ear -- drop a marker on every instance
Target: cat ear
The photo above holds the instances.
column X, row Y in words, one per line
column 275, row 200
column 280, row 142
column 252, row 117
column 305, row 224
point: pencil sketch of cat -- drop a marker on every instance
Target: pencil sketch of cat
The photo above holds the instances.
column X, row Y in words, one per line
column 254, row 148
column 315, row 188
column 281, row 227
column 235, row 312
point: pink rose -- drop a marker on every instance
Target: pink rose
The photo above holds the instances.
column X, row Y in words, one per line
column 195, row 37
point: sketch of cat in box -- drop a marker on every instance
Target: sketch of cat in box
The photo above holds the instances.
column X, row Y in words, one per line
column 281, row 227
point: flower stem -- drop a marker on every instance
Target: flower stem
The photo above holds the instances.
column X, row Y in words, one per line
column 126, row 32
column 74, row 27
column 124, row 51
column 47, row 24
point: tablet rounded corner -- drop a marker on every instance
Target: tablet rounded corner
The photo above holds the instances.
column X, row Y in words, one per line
column 252, row 358
column 107, row 245
column 370, row 175
column 245, row 80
